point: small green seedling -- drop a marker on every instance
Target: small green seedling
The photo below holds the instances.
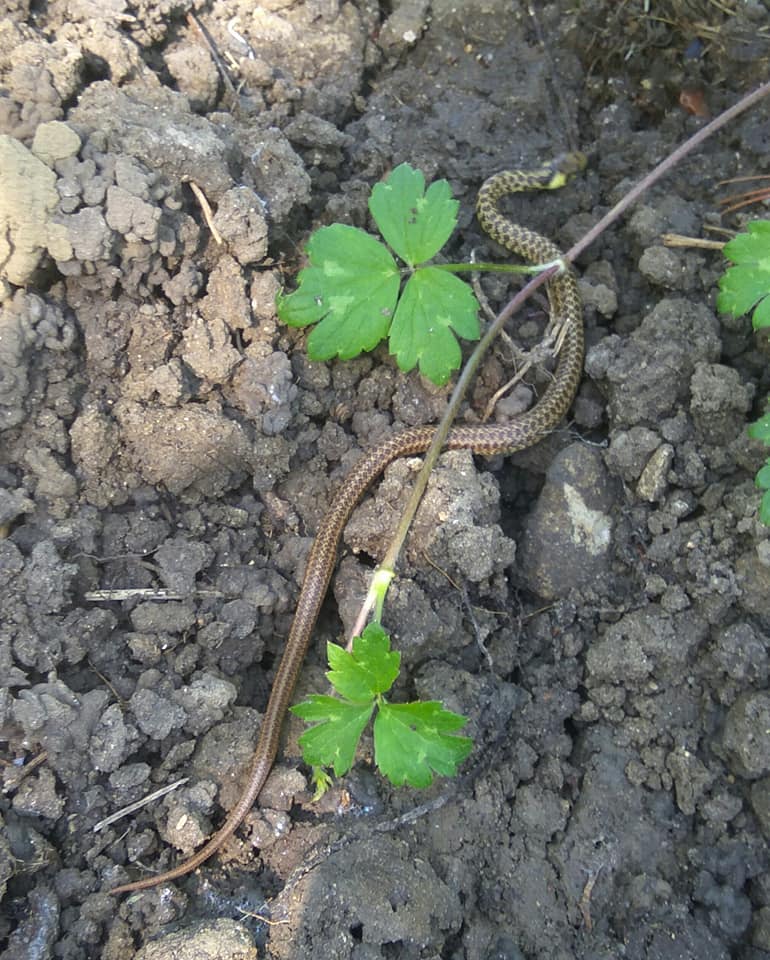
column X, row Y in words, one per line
column 353, row 291
column 412, row 741
column 745, row 286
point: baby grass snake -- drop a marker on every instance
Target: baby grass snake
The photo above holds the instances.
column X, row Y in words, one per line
column 524, row 431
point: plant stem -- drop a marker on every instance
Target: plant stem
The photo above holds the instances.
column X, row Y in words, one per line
column 488, row 267
column 388, row 564
column 387, row 567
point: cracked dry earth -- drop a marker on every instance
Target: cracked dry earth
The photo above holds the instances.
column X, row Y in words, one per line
column 167, row 452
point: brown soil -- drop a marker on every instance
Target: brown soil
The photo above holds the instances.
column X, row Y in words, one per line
column 598, row 606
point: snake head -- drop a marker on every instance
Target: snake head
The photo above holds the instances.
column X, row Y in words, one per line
column 564, row 167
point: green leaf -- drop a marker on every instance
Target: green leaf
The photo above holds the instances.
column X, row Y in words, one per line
column 351, row 287
column 369, row 670
column 415, row 223
column 764, row 509
column 434, row 303
column 740, row 287
column 338, row 726
column 761, row 316
column 751, row 245
column 762, row 478
column 748, row 282
column 760, row 429
column 414, row 740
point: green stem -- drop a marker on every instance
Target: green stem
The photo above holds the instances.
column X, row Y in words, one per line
column 489, row 267
column 379, row 587
column 385, row 572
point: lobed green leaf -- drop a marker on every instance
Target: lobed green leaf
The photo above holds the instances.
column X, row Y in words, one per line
column 750, row 246
column 350, row 290
column 338, row 727
column 740, row 287
column 432, row 305
column 369, row 670
column 761, row 317
column 747, row 283
column 760, row 429
column 762, row 478
column 412, row 741
column 415, row 223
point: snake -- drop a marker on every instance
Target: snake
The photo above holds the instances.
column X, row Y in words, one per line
column 485, row 439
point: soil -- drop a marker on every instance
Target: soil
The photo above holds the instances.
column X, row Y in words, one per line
column 597, row 606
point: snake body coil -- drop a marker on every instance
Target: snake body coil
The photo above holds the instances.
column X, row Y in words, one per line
column 526, row 430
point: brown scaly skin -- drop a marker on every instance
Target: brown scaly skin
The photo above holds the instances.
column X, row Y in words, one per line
column 526, row 430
